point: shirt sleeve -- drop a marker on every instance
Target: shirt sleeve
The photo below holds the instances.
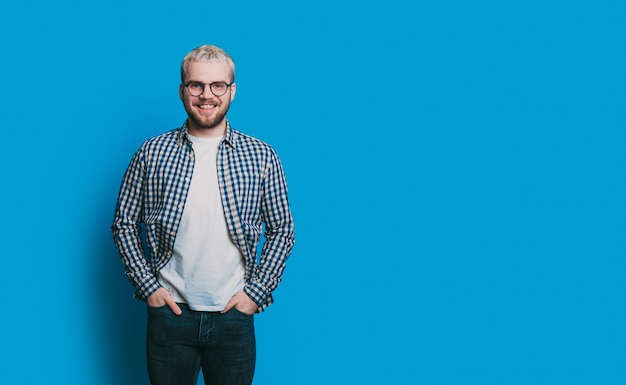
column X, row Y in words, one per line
column 126, row 228
column 279, row 235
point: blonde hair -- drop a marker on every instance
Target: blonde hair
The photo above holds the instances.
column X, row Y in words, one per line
column 207, row 53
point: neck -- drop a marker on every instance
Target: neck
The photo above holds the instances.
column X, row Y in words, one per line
column 206, row 132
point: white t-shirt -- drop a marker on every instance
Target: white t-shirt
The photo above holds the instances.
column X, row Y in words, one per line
column 206, row 269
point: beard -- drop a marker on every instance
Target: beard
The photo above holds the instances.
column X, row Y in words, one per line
column 203, row 121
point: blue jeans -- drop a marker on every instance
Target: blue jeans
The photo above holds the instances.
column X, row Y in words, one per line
column 223, row 345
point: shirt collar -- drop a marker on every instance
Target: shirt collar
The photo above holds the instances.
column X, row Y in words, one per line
column 229, row 137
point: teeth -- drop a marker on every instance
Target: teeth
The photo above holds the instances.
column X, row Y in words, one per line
column 206, row 106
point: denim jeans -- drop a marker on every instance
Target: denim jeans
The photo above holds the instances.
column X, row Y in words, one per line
column 223, row 345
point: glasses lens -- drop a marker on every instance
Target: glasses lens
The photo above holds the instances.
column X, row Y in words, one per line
column 219, row 88
column 195, row 88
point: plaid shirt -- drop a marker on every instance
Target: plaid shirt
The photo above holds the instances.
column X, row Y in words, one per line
column 253, row 189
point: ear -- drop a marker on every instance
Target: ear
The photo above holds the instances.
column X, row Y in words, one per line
column 180, row 91
column 233, row 91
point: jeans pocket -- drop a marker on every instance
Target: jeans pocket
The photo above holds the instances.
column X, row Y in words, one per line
column 237, row 311
column 155, row 309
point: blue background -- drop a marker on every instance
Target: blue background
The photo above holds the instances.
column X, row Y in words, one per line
column 456, row 171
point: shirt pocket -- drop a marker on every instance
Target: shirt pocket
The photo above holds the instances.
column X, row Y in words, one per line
column 248, row 189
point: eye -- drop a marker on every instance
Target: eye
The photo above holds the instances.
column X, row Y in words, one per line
column 219, row 86
column 196, row 86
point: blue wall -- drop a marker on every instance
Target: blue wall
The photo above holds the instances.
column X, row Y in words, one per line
column 456, row 171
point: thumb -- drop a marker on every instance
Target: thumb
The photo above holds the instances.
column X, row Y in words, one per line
column 229, row 306
column 173, row 306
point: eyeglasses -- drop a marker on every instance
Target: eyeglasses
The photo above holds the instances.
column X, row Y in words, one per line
column 217, row 88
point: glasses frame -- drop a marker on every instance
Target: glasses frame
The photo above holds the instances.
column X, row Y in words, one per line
column 210, row 87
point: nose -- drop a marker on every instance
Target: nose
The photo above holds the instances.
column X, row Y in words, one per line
column 206, row 92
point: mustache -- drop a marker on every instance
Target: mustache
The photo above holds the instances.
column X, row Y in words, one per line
column 207, row 101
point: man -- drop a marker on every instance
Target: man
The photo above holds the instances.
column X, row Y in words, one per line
column 203, row 192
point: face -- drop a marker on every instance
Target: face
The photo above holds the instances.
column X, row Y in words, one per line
column 206, row 112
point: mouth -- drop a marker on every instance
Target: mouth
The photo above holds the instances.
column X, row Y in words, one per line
column 206, row 106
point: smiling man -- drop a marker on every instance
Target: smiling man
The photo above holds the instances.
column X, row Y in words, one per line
column 203, row 193
column 207, row 101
